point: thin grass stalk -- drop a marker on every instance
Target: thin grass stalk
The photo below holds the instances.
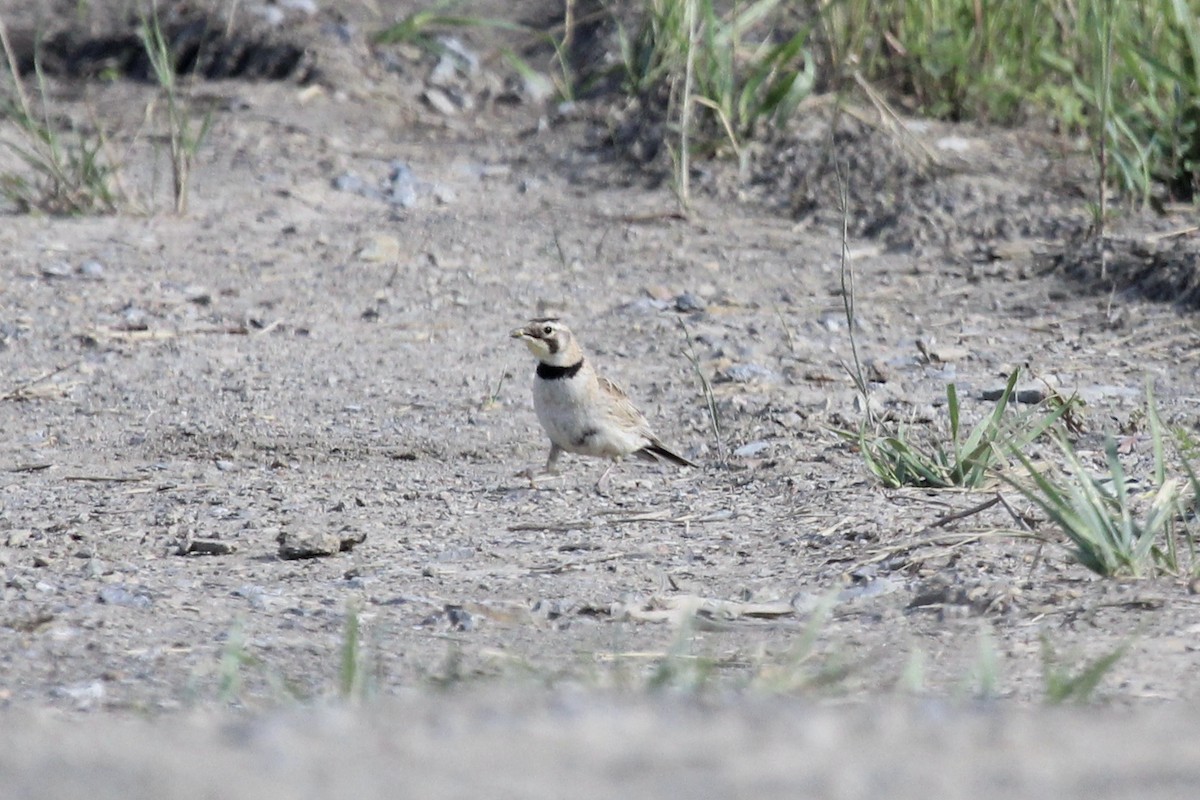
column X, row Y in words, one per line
column 1106, row 59
column 11, row 58
column 685, row 113
column 710, row 399
column 846, row 277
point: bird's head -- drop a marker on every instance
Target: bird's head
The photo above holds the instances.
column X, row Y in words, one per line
column 550, row 341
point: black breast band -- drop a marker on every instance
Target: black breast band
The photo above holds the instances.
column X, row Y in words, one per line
column 550, row 372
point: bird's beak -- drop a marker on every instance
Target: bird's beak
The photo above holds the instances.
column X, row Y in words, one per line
column 518, row 333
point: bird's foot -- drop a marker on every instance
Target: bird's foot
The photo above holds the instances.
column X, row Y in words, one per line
column 603, row 483
column 534, row 475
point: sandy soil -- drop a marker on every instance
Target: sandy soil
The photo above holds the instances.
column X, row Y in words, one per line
column 298, row 355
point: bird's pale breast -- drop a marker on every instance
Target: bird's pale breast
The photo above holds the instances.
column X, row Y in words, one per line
column 575, row 417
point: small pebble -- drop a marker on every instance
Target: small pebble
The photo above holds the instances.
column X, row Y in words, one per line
column 688, row 302
column 748, row 373
column 402, row 185
column 349, row 182
column 1027, row 396
column 85, row 695
column 467, row 58
column 537, row 88
column 92, row 270
column 118, row 595
column 380, row 247
column 446, row 71
column 59, row 269
column 308, row 7
column 440, row 101
column 751, row 449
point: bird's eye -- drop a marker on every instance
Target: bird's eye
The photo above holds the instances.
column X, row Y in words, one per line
column 547, row 330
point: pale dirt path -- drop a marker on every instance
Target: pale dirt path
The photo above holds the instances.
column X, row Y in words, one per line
column 584, row 746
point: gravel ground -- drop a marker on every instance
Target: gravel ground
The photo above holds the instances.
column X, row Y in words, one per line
column 317, row 352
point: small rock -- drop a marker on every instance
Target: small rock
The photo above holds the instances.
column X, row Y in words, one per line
column 119, row 595
column 833, row 321
column 349, row 182
column 645, row 305
column 446, row 71
column 871, row 587
column 205, row 547
column 315, row 544
column 491, row 171
column 878, row 371
column 807, row 602
column 134, row 319
column 59, row 269
column 688, row 302
column 1027, row 396
column 380, row 247
column 85, row 695
column 199, row 295
column 536, row 88
column 791, row 420
column 751, row 449
column 955, row 144
column 455, row 554
column 270, row 15
column 552, row 609
column 92, row 270
column 257, row 597
column 459, row 618
column 402, row 185
column 308, row 7
column 748, row 373
column 947, row 353
column 439, row 101
column 308, row 544
column 468, row 60
column 249, row 591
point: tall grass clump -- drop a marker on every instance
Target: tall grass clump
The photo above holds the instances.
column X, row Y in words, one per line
column 1077, row 685
column 1125, row 74
column 184, row 134
column 66, row 172
column 722, row 72
column 1117, row 524
column 965, row 458
column 425, row 27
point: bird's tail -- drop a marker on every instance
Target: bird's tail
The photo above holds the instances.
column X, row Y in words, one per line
column 656, row 452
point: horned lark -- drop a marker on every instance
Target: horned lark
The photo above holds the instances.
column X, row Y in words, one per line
column 580, row 411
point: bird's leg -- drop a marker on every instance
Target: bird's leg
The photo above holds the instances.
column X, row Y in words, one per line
column 552, row 460
column 602, row 484
column 550, row 469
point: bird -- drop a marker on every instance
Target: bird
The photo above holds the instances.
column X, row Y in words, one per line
column 581, row 411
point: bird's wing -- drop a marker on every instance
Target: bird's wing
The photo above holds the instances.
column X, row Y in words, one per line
column 623, row 409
